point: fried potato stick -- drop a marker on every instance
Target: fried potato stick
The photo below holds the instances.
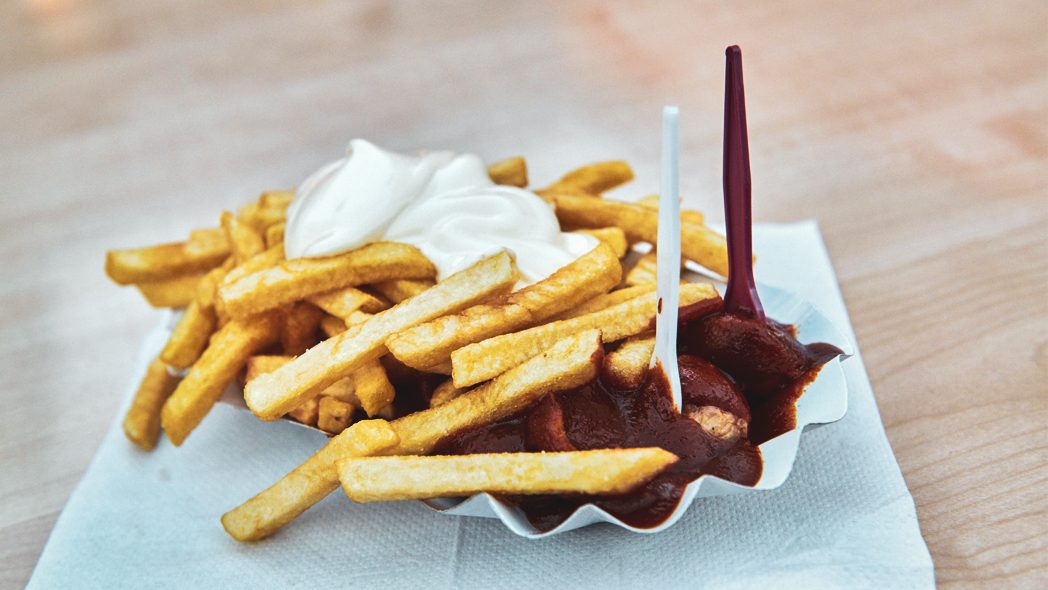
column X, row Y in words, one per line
column 614, row 237
column 606, row 300
column 566, row 365
column 157, row 263
column 640, row 223
column 627, row 366
column 142, row 422
column 343, row 389
column 431, row 344
column 269, row 209
column 601, row 471
column 275, row 234
column 481, row 361
column 595, row 178
column 400, row 289
column 244, row 240
column 686, row 215
column 224, row 357
column 272, row 395
column 299, row 330
column 333, row 415
column 510, row 172
column 198, row 322
column 444, row 393
column 343, row 302
column 293, row 280
column 174, row 292
column 644, row 272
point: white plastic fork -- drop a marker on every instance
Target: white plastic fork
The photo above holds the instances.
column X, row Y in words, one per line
column 667, row 251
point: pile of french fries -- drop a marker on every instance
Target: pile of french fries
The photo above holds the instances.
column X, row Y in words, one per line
column 314, row 339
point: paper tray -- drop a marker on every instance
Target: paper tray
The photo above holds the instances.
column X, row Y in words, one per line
column 824, row 400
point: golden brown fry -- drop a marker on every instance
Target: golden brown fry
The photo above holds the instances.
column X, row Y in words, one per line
column 308, row 483
column 607, row 300
column 308, row 413
column 601, row 471
column 372, row 387
column 334, row 415
column 644, row 271
column 207, row 240
column 267, row 259
column 343, row 389
column 272, row 395
column 190, row 336
column 484, row 360
column 244, row 240
column 332, row 326
column 269, row 209
column 627, row 366
column 686, row 215
column 431, row 344
column 275, row 234
column 566, row 365
column 224, row 357
column 343, row 302
column 401, row 289
column 640, row 223
column 142, row 422
column 595, row 178
column 174, row 292
column 299, row 330
column 157, row 263
column 614, row 237
column 511, row 172
column 293, row 280
column 444, row 393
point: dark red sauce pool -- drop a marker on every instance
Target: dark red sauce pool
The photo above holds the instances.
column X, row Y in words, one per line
column 740, row 379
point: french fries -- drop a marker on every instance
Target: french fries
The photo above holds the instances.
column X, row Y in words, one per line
column 613, row 237
column 444, row 393
column 479, row 362
column 594, row 178
column 333, row 415
column 511, row 172
column 567, row 364
column 293, row 280
column 308, row 483
column 268, row 210
column 644, row 272
column 343, row 302
column 627, row 366
column 174, row 292
column 398, row 290
column 276, row 393
column 604, row 471
column 686, row 215
column 607, row 300
column 244, row 240
column 224, row 357
column 299, row 330
column 166, row 261
column 351, row 316
column 431, row 344
column 142, row 422
column 698, row 243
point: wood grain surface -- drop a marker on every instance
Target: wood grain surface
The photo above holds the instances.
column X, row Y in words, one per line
column 916, row 133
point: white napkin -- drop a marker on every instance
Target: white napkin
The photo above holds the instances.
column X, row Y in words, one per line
column 150, row 520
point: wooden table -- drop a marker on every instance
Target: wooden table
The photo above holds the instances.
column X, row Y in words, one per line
column 916, row 133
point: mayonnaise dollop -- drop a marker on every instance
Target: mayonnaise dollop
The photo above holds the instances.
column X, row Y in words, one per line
column 441, row 202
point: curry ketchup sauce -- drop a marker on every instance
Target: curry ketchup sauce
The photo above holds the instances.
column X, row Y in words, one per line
column 724, row 400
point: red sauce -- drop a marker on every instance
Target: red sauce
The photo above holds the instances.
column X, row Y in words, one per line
column 755, row 399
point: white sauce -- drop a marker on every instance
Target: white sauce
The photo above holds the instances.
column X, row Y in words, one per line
column 441, row 202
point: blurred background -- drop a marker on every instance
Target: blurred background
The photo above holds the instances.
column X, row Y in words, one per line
column 915, row 133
